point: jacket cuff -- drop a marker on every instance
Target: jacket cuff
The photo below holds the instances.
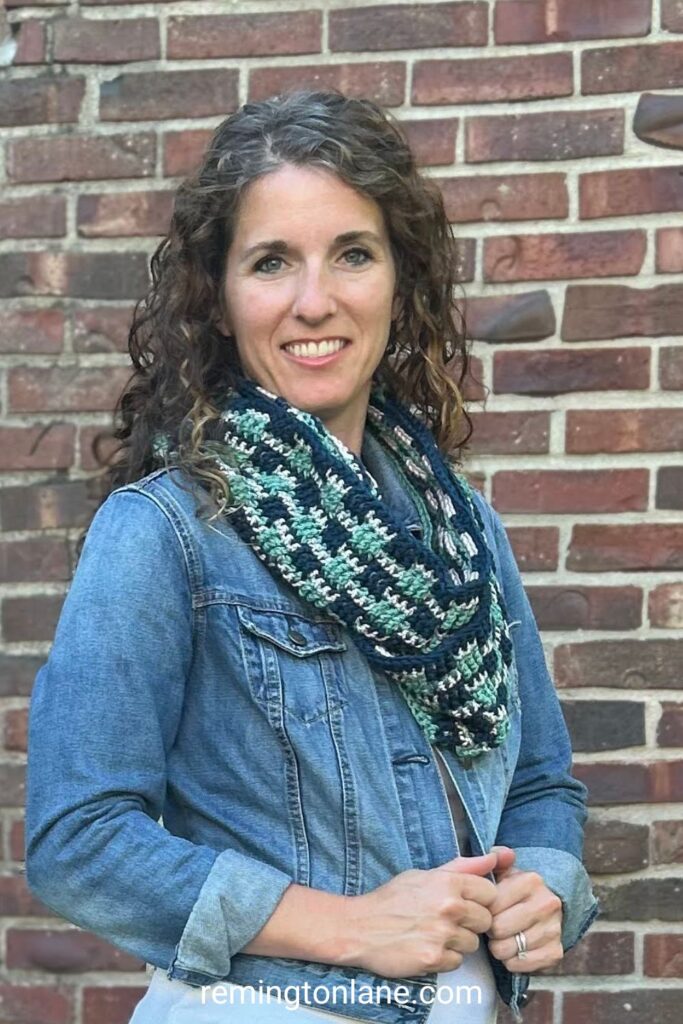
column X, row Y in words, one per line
column 566, row 876
column 238, row 896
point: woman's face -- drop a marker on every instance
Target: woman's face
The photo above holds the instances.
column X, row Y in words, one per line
column 311, row 263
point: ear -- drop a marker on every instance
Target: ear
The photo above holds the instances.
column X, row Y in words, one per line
column 396, row 306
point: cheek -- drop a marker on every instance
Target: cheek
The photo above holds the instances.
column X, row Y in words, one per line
column 255, row 311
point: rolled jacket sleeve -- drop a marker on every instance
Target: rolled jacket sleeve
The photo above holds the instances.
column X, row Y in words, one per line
column 545, row 811
column 104, row 714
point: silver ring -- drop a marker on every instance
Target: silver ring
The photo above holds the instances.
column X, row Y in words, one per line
column 520, row 939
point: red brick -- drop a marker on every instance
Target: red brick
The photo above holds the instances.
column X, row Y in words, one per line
column 612, row 847
column 575, row 607
column 492, row 79
column 158, row 95
column 624, row 430
column 536, row 548
column 244, row 35
column 30, row 41
column 129, row 214
column 637, row 190
column 670, row 725
column 631, row 783
column 536, row 21
column 32, row 330
column 16, row 899
column 65, row 388
column 88, row 275
column 552, row 373
column 401, row 27
column 432, row 142
column 672, row 15
column 632, row 68
column 24, row 1004
column 599, row 725
column 594, row 312
column 30, row 619
column 81, row 158
column 665, row 606
column 626, row 664
column 34, row 561
column 561, row 256
column 669, row 493
column 384, row 81
column 13, row 789
column 41, row 446
column 633, row 548
column 550, row 135
column 525, row 316
column 667, row 841
column 539, row 1009
column 671, row 367
column 33, row 217
column 43, row 100
column 16, row 720
column 45, row 506
column 64, row 951
column 87, row 437
column 505, row 197
column 17, row 842
column 581, row 490
column 508, row 433
column 669, row 250
column 644, row 1006
column 113, row 1005
column 102, row 329
column 658, row 120
column 472, row 388
column 663, row 954
column 183, row 151
column 614, row 782
column 598, row 953
column 85, row 41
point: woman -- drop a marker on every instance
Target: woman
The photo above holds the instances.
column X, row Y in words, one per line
column 295, row 631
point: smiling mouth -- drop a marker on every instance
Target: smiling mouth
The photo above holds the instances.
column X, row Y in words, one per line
column 313, row 351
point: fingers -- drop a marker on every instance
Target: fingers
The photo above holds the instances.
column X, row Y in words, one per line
column 463, row 940
column 540, row 939
column 505, row 858
column 482, row 865
column 519, row 886
column 473, row 916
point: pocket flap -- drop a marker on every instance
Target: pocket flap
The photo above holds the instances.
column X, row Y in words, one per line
column 294, row 634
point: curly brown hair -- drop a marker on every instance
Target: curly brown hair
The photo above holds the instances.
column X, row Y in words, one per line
column 182, row 362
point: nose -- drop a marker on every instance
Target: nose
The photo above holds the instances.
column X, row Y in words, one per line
column 314, row 299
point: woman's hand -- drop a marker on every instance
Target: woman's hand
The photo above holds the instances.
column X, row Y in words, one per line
column 421, row 921
column 524, row 903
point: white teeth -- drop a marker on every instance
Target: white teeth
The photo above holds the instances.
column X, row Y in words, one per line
column 312, row 349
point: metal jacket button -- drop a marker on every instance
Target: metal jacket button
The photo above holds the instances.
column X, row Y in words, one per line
column 297, row 637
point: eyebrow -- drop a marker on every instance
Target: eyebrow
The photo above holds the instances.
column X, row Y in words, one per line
column 279, row 246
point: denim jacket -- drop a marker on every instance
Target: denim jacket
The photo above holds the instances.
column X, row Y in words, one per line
column 185, row 682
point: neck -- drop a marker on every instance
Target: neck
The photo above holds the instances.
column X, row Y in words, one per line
column 348, row 423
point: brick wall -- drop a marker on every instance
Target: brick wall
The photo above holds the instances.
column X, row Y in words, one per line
column 555, row 130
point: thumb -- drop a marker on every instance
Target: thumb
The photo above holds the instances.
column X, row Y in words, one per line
column 473, row 865
column 505, row 858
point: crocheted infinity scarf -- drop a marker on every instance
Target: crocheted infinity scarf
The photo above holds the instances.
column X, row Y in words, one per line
column 428, row 612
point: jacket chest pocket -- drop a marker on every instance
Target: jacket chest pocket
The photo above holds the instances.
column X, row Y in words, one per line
column 293, row 663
